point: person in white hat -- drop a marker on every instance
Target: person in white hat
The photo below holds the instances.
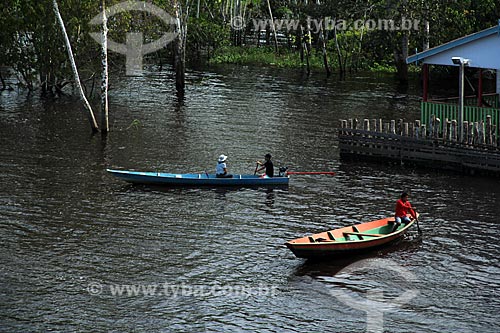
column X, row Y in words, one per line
column 221, row 168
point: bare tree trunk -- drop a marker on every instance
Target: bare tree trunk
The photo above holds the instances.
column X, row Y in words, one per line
column 93, row 122
column 179, row 50
column 306, row 44
column 339, row 52
column 273, row 27
column 236, row 33
column 300, row 43
column 104, row 82
column 400, row 57
column 325, row 54
column 427, row 30
column 355, row 61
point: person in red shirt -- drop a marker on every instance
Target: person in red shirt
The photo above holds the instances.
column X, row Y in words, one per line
column 403, row 208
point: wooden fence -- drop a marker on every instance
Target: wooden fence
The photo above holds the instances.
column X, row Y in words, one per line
column 415, row 143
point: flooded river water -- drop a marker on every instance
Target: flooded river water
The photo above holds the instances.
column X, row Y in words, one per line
column 82, row 251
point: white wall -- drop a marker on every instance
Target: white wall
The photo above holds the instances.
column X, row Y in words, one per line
column 483, row 53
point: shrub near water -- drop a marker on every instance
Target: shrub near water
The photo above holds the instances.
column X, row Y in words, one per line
column 263, row 56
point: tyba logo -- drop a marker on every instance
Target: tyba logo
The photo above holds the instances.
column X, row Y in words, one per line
column 134, row 49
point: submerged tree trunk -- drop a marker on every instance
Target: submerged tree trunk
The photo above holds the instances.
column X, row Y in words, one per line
column 93, row 122
column 300, row 38
column 400, row 56
column 179, row 50
column 104, row 81
column 325, row 54
column 400, row 59
column 340, row 59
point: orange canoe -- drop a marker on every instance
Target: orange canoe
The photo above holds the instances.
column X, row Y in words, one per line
column 353, row 239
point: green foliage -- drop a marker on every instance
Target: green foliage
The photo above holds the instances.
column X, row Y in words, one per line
column 34, row 47
column 205, row 33
column 262, row 56
column 32, row 43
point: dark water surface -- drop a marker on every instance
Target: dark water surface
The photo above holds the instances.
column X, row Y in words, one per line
column 71, row 235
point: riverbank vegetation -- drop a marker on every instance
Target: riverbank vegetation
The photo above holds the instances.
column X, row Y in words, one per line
column 321, row 36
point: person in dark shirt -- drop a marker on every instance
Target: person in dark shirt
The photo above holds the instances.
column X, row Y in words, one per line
column 267, row 165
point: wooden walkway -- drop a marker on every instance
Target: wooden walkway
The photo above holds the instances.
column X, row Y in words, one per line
column 412, row 143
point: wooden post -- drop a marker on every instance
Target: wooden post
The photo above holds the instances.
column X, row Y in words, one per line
column 432, row 121
column 489, row 138
column 379, row 126
column 366, row 124
column 470, row 139
column 405, row 129
column 466, row 132
column 400, row 127
column 343, row 126
column 373, row 125
column 481, row 132
column 416, row 128
column 476, row 133
column 450, row 137
column 392, row 128
column 454, row 130
column 445, row 130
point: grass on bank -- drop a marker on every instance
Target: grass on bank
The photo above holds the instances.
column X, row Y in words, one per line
column 265, row 56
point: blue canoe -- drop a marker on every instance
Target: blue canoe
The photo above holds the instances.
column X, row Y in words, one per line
column 195, row 179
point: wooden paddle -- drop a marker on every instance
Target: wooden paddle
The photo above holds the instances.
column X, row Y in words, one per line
column 416, row 219
column 256, row 168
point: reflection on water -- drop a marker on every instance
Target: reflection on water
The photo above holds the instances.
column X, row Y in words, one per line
column 67, row 224
column 411, row 242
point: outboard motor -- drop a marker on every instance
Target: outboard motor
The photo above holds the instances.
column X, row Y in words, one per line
column 282, row 171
